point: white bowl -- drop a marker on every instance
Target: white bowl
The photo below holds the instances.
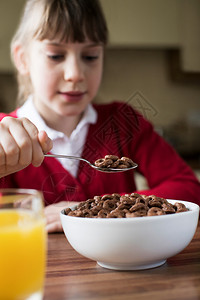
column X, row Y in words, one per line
column 132, row 243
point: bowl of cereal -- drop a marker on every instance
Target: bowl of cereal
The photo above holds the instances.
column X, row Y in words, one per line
column 130, row 232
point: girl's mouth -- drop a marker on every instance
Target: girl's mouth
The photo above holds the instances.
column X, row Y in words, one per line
column 72, row 96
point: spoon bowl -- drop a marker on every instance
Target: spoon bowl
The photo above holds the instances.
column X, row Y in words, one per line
column 105, row 170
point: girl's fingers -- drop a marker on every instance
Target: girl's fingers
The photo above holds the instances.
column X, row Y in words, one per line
column 9, row 145
column 2, row 157
column 45, row 142
column 37, row 152
column 53, row 222
column 21, row 142
column 54, row 227
column 41, row 143
column 52, row 215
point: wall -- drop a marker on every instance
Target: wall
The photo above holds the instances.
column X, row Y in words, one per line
column 8, row 92
column 145, row 72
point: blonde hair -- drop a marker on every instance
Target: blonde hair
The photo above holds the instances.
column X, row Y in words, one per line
column 68, row 20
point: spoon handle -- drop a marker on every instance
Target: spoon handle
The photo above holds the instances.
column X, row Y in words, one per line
column 67, row 156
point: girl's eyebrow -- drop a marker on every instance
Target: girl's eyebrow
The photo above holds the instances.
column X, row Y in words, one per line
column 93, row 44
column 52, row 43
column 60, row 44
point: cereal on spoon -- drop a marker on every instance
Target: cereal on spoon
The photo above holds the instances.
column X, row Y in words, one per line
column 114, row 162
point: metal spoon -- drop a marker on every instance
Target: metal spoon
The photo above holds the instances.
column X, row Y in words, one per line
column 106, row 170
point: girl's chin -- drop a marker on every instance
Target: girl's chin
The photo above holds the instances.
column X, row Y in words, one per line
column 64, row 109
column 71, row 112
column 74, row 108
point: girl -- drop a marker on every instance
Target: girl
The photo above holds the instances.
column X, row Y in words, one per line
column 58, row 52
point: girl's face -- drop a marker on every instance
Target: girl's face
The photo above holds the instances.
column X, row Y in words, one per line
column 65, row 76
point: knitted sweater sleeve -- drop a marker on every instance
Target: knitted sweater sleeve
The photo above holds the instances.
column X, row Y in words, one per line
column 166, row 172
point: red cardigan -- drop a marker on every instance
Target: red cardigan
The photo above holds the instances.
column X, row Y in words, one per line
column 121, row 131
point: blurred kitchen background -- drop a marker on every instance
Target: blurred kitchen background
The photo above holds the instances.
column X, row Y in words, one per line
column 152, row 62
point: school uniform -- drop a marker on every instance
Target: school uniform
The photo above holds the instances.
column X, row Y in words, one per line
column 114, row 128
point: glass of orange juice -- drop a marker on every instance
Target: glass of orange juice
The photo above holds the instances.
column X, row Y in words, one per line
column 22, row 244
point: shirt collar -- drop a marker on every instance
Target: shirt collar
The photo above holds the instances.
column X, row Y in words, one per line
column 29, row 111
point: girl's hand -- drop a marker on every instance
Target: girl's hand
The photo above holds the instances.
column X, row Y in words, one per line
column 52, row 213
column 20, row 145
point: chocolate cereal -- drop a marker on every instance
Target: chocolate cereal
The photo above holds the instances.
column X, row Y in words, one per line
column 126, row 206
column 114, row 162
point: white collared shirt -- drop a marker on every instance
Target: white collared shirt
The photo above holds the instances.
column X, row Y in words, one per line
column 62, row 144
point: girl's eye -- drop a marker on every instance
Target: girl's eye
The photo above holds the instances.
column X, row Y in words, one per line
column 56, row 57
column 90, row 58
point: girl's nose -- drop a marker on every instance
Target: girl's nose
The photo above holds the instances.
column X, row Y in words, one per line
column 73, row 70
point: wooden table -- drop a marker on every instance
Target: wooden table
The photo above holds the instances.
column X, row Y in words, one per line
column 72, row 276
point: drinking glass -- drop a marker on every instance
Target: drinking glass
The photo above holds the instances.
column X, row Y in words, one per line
column 22, row 244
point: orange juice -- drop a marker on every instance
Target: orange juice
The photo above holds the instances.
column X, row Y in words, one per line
column 22, row 253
